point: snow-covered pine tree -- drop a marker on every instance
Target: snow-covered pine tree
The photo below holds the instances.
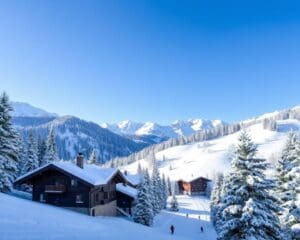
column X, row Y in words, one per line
column 143, row 211
column 9, row 146
column 248, row 210
column 93, row 157
column 165, row 192
column 51, row 152
column 139, row 169
column 174, row 203
column 156, row 189
column 41, row 150
column 169, row 186
column 22, row 156
column 31, row 162
column 216, row 196
column 288, row 182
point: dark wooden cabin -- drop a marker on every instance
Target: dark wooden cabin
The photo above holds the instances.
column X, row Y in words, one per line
column 193, row 186
column 81, row 187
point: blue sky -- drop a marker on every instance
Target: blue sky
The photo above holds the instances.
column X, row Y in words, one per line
column 151, row 60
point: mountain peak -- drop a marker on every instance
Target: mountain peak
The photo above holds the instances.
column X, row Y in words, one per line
column 21, row 109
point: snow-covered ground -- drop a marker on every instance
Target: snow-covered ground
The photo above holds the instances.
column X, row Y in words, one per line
column 198, row 212
column 209, row 157
column 24, row 219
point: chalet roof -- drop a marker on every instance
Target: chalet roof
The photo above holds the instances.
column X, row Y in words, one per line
column 134, row 179
column 192, row 177
column 92, row 174
column 130, row 191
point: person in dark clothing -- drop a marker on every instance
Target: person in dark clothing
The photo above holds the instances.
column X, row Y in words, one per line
column 172, row 228
column 201, row 228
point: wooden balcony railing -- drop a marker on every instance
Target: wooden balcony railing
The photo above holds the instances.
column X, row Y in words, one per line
column 55, row 188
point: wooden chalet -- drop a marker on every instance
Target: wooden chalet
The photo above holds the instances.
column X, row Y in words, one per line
column 81, row 187
column 193, row 185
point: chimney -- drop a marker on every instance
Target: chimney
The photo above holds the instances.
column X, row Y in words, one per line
column 79, row 160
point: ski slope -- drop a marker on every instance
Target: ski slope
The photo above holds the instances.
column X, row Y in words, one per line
column 24, row 219
column 209, row 157
column 198, row 212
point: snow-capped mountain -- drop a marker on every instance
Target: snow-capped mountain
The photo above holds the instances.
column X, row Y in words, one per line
column 73, row 135
column 176, row 129
column 21, row 109
column 206, row 158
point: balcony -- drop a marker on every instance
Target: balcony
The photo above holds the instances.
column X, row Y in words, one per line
column 55, row 188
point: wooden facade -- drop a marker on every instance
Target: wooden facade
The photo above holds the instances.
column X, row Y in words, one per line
column 55, row 186
column 194, row 186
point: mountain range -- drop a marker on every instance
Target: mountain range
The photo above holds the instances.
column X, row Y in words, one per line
column 176, row 129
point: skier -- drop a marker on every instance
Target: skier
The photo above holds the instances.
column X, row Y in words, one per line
column 201, row 228
column 172, row 229
column 187, row 215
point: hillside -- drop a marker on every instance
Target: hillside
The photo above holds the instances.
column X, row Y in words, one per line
column 206, row 158
column 24, row 219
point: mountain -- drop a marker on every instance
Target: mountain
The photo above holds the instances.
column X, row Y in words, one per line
column 206, row 158
column 210, row 151
column 73, row 135
column 21, row 109
column 162, row 132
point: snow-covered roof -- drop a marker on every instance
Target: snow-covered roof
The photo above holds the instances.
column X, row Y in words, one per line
column 90, row 173
column 130, row 191
column 190, row 178
column 134, row 179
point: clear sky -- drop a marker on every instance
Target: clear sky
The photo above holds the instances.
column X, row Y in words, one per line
column 151, row 60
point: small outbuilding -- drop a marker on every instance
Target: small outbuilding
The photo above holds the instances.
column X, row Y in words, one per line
column 193, row 185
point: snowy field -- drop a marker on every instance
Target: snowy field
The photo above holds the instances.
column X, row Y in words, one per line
column 24, row 219
column 209, row 157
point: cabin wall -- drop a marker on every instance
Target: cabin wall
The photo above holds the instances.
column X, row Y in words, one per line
column 197, row 186
column 65, row 199
column 125, row 202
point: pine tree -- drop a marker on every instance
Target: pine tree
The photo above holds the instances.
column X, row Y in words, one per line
column 31, row 162
column 169, row 185
column 164, row 192
column 248, row 210
column 9, row 146
column 22, row 157
column 143, row 211
column 216, row 197
column 51, row 152
column 156, row 189
column 288, row 182
column 93, row 157
column 41, row 150
column 174, row 203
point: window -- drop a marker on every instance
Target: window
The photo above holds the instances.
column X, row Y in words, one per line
column 79, row 198
column 42, row 198
column 97, row 197
column 74, row 183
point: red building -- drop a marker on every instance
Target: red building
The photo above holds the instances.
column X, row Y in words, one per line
column 193, row 185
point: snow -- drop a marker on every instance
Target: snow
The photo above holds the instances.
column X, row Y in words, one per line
column 89, row 173
column 130, row 191
column 49, row 222
column 26, row 110
column 205, row 159
column 27, row 220
column 177, row 128
column 197, row 209
column 134, row 179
